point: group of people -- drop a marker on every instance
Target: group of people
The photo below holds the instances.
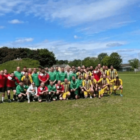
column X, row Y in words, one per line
column 51, row 84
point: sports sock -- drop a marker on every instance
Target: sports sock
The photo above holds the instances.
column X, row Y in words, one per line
column 2, row 99
column 9, row 97
column 28, row 97
column 14, row 97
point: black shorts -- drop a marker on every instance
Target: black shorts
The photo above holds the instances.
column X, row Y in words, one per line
column 3, row 89
column 11, row 88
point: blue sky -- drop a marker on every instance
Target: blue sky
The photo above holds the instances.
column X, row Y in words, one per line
column 72, row 29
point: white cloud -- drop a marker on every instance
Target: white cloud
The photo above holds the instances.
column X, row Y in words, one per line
column 2, row 27
column 79, row 50
column 72, row 12
column 24, row 40
column 76, row 37
column 15, row 21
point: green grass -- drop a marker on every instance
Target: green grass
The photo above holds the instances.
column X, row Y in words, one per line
column 11, row 65
column 111, row 118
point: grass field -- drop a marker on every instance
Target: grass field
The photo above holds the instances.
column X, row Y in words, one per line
column 11, row 65
column 111, row 118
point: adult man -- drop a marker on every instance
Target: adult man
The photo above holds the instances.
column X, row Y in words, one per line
column 94, row 86
column 74, row 88
column 52, row 91
column 78, row 69
column 118, row 85
column 104, row 71
column 11, row 84
column 42, row 92
column 35, row 77
column 104, row 86
column 60, row 90
column 46, row 70
column 87, row 87
column 43, row 77
column 52, row 75
column 83, row 74
column 97, row 74
column 32, row 92
column 73, row 74
column 30, row 71
column 68, row 72
column 88, row 72
column 80, row 87
column 62, row 75
column 99, row 67
column 2, row 84
column 112, row 73
column 39, row 70
column 91, row 68
column 21, row 92
column 111, row 76
column 27, row 79
column 66, row 85
column 57, row 74
column 24, row 70
column 18, row 74
column 5, row 72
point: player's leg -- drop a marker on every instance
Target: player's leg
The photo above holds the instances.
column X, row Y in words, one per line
column 14, row 94
column 8, row 94
column 76, row 94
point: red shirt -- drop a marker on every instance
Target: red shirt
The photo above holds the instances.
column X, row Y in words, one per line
column 11, row 82
column 40, row 89
column 43, row 77
column 2, row 81
column 97, row 75
column 59, row 87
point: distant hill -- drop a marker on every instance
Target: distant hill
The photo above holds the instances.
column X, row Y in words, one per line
column 11, row 65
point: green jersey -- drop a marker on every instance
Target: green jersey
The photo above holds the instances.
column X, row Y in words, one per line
column 52, row 76
column 73, row 75
column 74, row 84
column 62, row 76
column 18, row 75
column 51, row 88
column 20, row 89
column 79, row 82
column 35, row 79
column 57, row 75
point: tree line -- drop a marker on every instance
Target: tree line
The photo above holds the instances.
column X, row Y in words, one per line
column 44, row 56
column 47, row 58
column 103, row 58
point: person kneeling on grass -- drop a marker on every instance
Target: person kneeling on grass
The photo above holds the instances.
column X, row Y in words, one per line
column 118, row 85
column 94, row 86
column 32, row 92
column 104, row 86
column 74, row 88
column 42, row 92
column 21, row 92
column 87, row 87
column 52, row 92
column 66, row 94
column 60, row 90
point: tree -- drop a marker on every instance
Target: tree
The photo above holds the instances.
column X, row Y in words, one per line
column 105, row 61
column 101, row 56
column 44, row 56
column 134, row 63
column 76, row 63
column 115, row 60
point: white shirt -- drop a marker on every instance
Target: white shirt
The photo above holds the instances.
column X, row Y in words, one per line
column 31, row 88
